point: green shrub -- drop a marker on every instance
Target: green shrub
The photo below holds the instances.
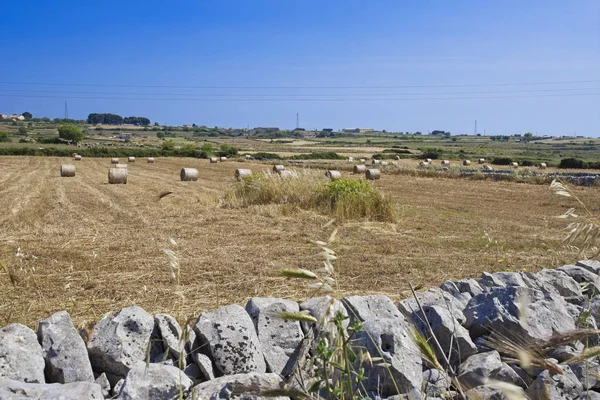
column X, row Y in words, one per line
column 227, row 150
column 327, row 155
column 501, row 161
column 5, row 137
column 267, row 156
column 70, row 133
column 572, row 162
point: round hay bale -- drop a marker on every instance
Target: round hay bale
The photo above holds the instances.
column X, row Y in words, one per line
column 394, row 163
column 286, row 174
column 397, row 158
column 514, row 164
column 363, row 160
column 375, row 162
column 121, row 166
column 189, row 174
column 481, row 160
column 213, row 160
column 350, row 159
column 428, row 160
column 543, row 166
column 423, row 163
column 240, row 173
column 131, row 159
column 359, row 169
column 73, row 155
column 445, row 162
column 333, row 175
column 466, row 163
column 67, row 170
column 114, row 160
column 117, row 175
column 278, row 168
column 77, row 157
column 223, row 159
column 488, row 168
column 150, row 160
column 248, row 157
column 373, row 174
column 385, row 163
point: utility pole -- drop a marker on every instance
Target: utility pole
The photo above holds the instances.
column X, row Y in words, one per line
column 475, row 127
column 66, row 111
column 297, row 120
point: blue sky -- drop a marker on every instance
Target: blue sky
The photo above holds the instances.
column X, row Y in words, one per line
column 382, row 64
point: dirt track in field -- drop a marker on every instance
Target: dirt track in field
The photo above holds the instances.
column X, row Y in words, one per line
column 91, row 248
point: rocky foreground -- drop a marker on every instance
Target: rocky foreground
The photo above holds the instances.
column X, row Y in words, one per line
column 237, row 353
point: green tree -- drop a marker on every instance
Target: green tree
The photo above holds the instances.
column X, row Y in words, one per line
column 22, row 130
column 528, row 135
column 70, row 133
column 160, row 135
column 5, row 137
column 168, row 145
column 207, row 148
column 27, row 115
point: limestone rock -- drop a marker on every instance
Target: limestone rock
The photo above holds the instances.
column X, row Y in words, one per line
column 548, row 280
column 478, row 368
column 583, row 275
column 433, row 297
column 240, row 386
column 104, row 384
column 119, row 341
column 64, row 350
column 320, row 307
column 204, row 364
column 590, row 265
column 386, row 333
column 17, row 390
column 173, row 341
column 470, row 286
column 435, row 382
column 21, row 356
column 501, row 279
column 154, row 381
column 279, row 338
column 484, row 392
column 555, row 387
column 228, row 337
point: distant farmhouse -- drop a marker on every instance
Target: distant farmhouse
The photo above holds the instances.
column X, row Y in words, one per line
column 14, row 117
column 358, row 130
column 263, row 130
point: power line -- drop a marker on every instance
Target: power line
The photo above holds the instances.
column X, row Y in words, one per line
column 295, row 94
column 300, row 87
column 305, row 100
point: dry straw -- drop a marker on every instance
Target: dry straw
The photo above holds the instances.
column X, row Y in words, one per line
column 189, row 174
column 240, row 173
column 121, row 166
column 373, row 174
column 150, row 160
column 466, row 163
column 278, row 168
column 114, row 160
column 214, row 160
column 67, row 170
column 360, row 169
column 131, row 159
column 223, row 159
column 333, row 175
column 117, row 175
column 77, row 157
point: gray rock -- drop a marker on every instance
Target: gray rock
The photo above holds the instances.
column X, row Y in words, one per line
column 563, row 353
column 118, row 342
column 433, row 297
column 501, row 279
column 173, row 341
column 470, row 286
column 279, row 338
column 104, row 384
column 323, row 308
column 18, row 390
column 549, row 280
column 485, row 393
column 448, row 332
column 117, row 387
column 21, row 356
column 228, row 337
column 582, row 275
column 498, row 311
column 386, row 333
column 589, row 395
column 555, row 387
column 64, row 350
column 154, row 381
column 588, row 373
column 190, row 340
column 203, row 362
column 239, row 386
column 508, row 375
column 590, row 265
column 525, row 378
column 435, row 382
column 478, row 368
column 461, row 298
column 194, row 372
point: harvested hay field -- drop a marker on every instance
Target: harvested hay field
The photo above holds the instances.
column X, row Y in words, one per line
column 82, row 245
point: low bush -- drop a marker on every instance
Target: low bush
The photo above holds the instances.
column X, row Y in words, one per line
column 5, row 137
column 327, row 155
column 267, row 156
column 572, row 162
column 501, row 161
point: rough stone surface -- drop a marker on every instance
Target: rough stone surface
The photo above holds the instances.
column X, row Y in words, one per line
column 433, row 297
column 205, row 365
column 279, row 338
column 462, row 298
column 448, row 332
column 384, row 324
column 118, row 342
column 589, row 395
column 590, row 265
column 194, row 372
column 498, row 311
column 154, row 381
column 228, row 337
column 21, row 356
column 117, row 387
column 470, row 286
column 501, row 279
column 239, row 386
column 478, row 368
column 588, row 373
column 551, row 280
column 319, row 307
column 173, row 341
column 582, row 275
column 18, row 390
column 563, row 353
column 104, row 384
column 508, row 375
column 435, row 382
column 485, row 393
column 64, row 350
column 555, row 387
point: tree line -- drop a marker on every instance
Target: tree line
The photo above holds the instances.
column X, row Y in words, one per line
column 114, row 119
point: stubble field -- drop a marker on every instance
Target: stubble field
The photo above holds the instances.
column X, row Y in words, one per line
column 82, row 245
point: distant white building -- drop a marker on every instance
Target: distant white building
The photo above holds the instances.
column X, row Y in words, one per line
column 358, row 130
column 16, row 117
column 3, row 116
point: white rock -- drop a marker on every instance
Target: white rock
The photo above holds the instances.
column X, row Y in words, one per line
column 21, row 356
column 17, row 390
column 154, row 381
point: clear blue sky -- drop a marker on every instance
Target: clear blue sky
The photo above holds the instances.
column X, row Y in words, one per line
column 313, row 46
